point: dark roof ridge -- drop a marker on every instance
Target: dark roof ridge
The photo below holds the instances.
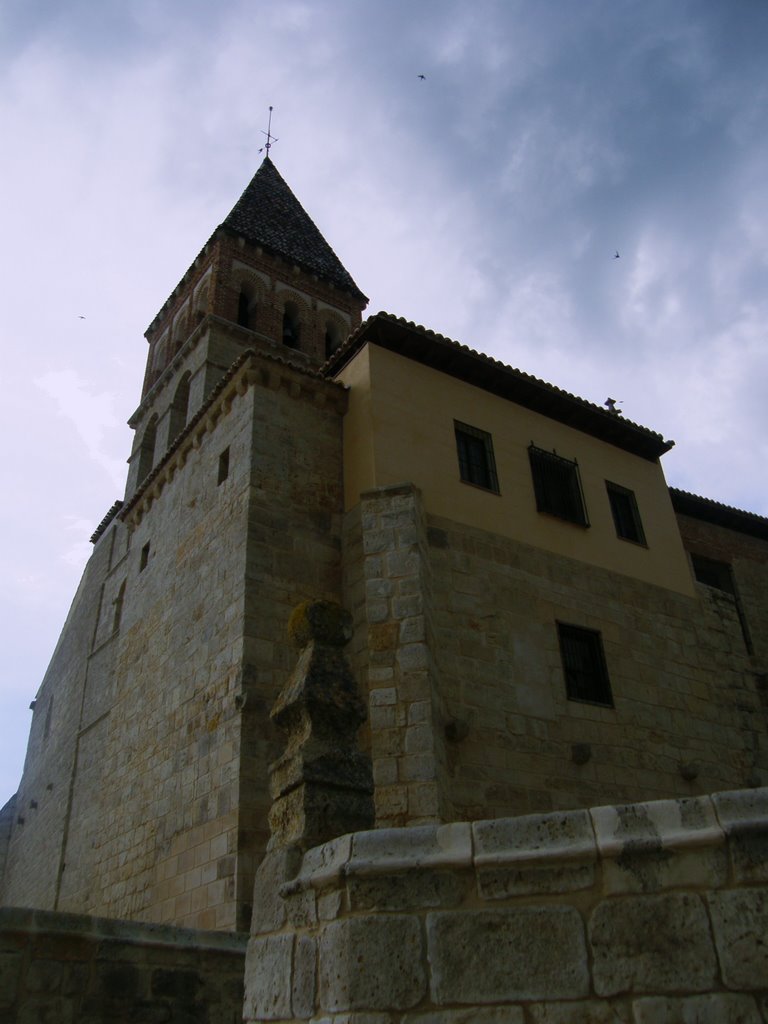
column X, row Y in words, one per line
column 531, row 391
column 269, row 214
column 710, row 510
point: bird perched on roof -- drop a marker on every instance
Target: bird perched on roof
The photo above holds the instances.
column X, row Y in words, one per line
column 611, row 404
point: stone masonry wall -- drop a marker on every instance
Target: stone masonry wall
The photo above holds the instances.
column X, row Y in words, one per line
column 748, row 559
column 69, row 969
column 145, row 791
column 687, row 719
column 651, row 913
column 456, row 643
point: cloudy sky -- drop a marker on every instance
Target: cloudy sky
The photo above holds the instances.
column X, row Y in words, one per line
column 486, row 201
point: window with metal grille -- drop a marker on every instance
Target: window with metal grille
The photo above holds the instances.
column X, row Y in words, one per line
column 586, row 675
column 476, row 462
column 557, row 486
column 626, row 517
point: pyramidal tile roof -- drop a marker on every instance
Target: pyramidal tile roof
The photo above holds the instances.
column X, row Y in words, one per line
column 270, row 215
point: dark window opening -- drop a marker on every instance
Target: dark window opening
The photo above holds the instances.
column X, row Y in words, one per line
column 557, row 486
column 476, row 462
column 332, row 339
column 626, row 517
column 246, row 307
column 291, row 325
column 586, row 675
column 144, row 557
column 720, row 576
column 147, row 450
column 118, row 608
column 223, row 467
column 179, row 408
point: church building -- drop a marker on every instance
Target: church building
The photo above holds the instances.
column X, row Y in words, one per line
column 539, row 622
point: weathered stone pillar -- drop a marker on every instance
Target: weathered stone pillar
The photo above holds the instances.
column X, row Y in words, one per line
column 406, row 708
column 321, row 787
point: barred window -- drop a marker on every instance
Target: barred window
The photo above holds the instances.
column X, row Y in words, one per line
column 626, row 517
column 586, row 675
column 557, row 486
column 476, row 462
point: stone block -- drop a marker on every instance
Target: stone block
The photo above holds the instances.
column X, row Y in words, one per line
column 371, row 963
column 407, row 890
column 386, row 850
column 743, row 815
column 268, row 978
column 507, row 955
column 44, row 976
column 303, row 988
column 589, row 1011
column 413, row 657
column 740, row 924
column 651, row 944
column 278, row 867
column 661, row 824
column 652, row 870
column 322, row 865
column 383, row 695
column 534, row 838
column 10, row 965
column 489, row 1015
column 717, row 1008
column 534, row 853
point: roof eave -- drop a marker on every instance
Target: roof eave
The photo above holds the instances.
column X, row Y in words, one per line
column 447, row 356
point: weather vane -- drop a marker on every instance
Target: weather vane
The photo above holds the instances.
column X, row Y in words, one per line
column 270, row 137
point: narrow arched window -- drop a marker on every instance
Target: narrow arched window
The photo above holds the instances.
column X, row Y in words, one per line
column 179, row 408
column 291, row 325
column 332, row 338
column 118, row 609
column 246, row 306
column 147, row 450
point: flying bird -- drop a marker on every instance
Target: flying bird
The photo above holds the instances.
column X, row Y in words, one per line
column 422, row 77
column 80, row 316
column 616, row 255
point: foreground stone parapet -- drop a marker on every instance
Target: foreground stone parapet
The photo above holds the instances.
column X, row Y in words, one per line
column 68, row 968
column 641, row 914
column 322, row 786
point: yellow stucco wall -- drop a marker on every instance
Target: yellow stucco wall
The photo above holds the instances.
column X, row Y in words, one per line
column 400, row 428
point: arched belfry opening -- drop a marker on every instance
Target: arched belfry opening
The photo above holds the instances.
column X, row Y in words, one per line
column 179, row 408
column 333, row 338
column 291, row 325
column 246, row 306
column 147, row 450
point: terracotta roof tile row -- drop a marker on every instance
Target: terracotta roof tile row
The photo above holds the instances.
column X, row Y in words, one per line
column 426, row 346
column 687, row 504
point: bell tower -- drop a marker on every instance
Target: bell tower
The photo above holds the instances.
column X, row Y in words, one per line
column 266, row 280
column 151, row 739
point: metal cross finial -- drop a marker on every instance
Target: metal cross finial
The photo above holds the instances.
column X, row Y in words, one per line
column 270, row 137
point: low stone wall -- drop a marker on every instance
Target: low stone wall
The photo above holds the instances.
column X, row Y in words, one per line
column 652, row 913
column 71, row 969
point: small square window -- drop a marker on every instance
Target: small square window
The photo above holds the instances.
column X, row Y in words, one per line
column 144, row 557
column 557, row 486
column 223, row 467
column 626, row 517
column 586, row 675
column 476, row 462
